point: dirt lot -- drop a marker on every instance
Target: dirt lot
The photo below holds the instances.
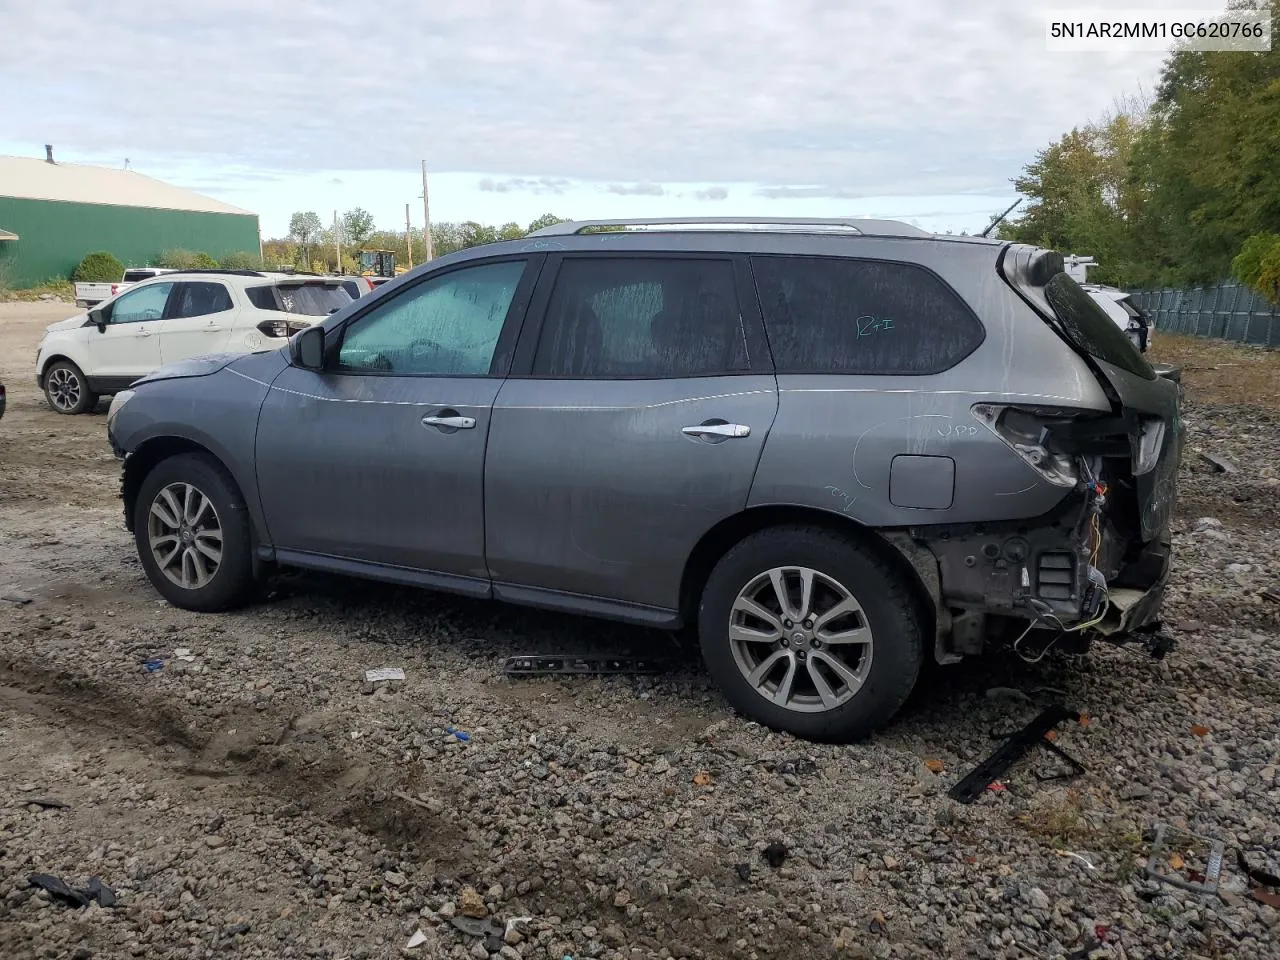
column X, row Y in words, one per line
column 256, row 801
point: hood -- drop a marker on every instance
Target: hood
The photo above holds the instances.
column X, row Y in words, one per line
column 79, row 320
column 191, row 367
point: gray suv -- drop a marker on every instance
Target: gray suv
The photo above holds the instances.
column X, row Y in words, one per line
column 833, row 447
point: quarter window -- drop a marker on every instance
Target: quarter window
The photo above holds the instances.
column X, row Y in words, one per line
column 827, row 315
column 201, row 299
column 140, row 305
column 642, row 317
column 446, row 326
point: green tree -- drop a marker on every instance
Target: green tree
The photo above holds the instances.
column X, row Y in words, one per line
column 305, row 227
column 510, row 231
column 546, row 220
column 98, row 267
column 357, row 225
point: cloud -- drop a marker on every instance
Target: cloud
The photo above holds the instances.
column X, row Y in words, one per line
column 873, row 98
column 807, row 193
column 712, row 193
column 635, row 189
column 542, row 185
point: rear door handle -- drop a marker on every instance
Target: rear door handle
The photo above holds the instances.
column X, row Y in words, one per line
column 717, row 430
column 452, row 423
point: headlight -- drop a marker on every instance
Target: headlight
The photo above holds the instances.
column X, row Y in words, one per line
column 118, row 401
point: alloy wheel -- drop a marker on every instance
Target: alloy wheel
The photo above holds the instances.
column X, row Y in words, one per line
column 185, row 535
column 64, row 389
column 801, row 639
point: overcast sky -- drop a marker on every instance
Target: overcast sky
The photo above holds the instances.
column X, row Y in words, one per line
column 921, row 109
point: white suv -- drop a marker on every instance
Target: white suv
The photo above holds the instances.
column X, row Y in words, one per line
column 173, row 317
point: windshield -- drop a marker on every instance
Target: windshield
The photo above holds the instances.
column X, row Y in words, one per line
column 307, row 299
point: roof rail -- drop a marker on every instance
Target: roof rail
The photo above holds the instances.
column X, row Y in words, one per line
column 845, row 225
column 227, row 272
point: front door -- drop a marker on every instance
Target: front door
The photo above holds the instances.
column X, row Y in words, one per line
column 379, row 458
column 130, row 346
column 199, row 320
column 639, row 428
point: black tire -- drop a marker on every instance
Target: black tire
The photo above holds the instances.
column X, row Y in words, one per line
column 66, row 389
column 231, row 583
column 889, row 609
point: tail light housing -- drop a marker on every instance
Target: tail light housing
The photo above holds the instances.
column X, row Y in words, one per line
column 1026, row 432
column 281, row 329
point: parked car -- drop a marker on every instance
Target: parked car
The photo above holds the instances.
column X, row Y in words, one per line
column 1124, row 313
column 835, row 448
column 170, row 317
column 89, row 294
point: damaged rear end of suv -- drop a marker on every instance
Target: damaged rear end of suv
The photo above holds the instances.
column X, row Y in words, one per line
column 1095, row 565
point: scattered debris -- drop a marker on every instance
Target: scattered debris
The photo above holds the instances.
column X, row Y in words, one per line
column 1068, row 853
column 382, row 674
column 775, row 853
column 1259, row 879
column 877, row 924
column 17, row 599
column 417, row 940
column 985, row 774
column 800, row 766
column 534, row 665
column 933, row 766
column 1199, row 731
column 1220, row 464
column 458, row 734
column 702, row 779
column 744, row 871
column 478, row 926
column 184, row 654
column 1272, row 595
column 1195, row 862
column 152, row 665
column 94, row 892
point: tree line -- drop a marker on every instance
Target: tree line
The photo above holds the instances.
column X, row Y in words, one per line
column 1175, row 189
column 310, row 245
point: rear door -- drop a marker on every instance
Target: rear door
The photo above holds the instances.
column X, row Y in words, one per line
column 129, row 347
column 199, row 321
column 631, row 425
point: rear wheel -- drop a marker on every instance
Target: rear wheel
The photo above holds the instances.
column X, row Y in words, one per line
column 809, row 632
column 192, row 533
column 67, row 390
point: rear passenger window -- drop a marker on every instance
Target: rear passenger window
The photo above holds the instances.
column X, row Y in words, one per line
column 642, row 317
column 201, row 299
column 827, row 315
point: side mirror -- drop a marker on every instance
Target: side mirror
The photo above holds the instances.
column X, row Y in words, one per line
column 306, row 349
column 99, row 320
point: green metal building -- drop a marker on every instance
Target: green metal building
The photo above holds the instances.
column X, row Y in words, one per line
column 52, row 214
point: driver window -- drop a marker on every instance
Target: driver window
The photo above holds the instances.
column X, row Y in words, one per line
column 138, row 306
column 446, row 326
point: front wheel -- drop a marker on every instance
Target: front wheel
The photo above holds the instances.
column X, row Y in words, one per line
column 192, row 533
column 66, row 389
column 809, row 632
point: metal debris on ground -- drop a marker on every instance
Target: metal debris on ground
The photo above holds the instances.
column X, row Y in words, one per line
column 94, row 892
column 381, row 674
column 1076, row 856
column 47, row 804
column 540, row 665
column 478, row 927
column 18, row 599
column 1016, row 745
column 799, row 766
column 1194, row 862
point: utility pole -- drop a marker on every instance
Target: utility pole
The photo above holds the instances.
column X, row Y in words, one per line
column 408, row 235
column 337, row 240
column 426, row 215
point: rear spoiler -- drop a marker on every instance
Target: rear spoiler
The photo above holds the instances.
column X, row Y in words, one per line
column 309, row 282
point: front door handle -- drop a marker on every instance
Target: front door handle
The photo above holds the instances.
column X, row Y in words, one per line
column 450, row 423
column 717, row 430
column 144, row 332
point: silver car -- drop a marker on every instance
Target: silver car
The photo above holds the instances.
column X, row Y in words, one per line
column 834, row 448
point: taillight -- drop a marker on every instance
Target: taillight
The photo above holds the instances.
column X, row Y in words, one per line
column 1026, row 434
column 282, row 329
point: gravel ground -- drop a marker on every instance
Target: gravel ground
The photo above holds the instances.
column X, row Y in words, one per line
column 258, row 800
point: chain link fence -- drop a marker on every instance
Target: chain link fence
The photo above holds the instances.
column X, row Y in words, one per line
column 1226, row 311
